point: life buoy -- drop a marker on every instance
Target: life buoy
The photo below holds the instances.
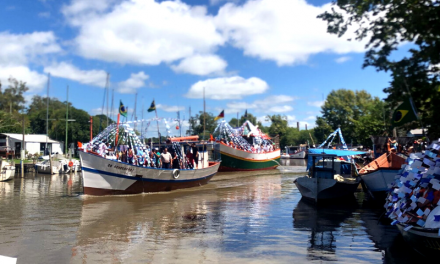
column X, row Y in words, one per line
column 176, row 173
column 70, row 164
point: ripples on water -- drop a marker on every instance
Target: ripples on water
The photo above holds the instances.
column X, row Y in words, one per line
column 236, row 218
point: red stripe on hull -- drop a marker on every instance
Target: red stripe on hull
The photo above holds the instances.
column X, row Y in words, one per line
column 148, row 187
column 225, row 169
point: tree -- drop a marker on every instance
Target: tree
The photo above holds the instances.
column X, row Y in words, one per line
column 196, row 125
column 9, row 123
column 12, row 100
column 278, row 125
column 386, row 25
column 250, row 117
column 357, row 113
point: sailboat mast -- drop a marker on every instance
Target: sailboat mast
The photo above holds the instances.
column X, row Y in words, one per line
column 142, row 123
column 134, row 112
column 106, row 88
column 47, row 111
column 67, row 117
column 113, row 100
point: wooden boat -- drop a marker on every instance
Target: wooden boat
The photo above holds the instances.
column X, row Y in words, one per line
column 297, row 152
column 328, row 177
column 59, row 165
column 240, row 160
column 7, row 171
column 241, row 155
column 379, row 174
column 106, row 175
column 423, row 240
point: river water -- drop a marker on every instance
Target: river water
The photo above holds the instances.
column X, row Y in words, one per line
column 255, row 217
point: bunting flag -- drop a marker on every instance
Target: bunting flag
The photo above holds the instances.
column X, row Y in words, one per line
column 152, row 107
column 221, row 115
column 122, row 109
column 404, row 113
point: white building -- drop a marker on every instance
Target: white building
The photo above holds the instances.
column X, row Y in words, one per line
column 33, row 144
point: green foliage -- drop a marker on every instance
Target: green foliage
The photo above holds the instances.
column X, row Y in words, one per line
column 9, row 123
column 293, row 137
column 11, row 99
column 278, row 125
column 196, row 124
column 357, row 113
column 386, row 25
column 250, row 117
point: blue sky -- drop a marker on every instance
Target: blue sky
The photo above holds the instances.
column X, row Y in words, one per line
column 266, row 56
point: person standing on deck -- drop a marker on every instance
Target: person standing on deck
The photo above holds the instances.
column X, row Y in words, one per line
column 166, row 159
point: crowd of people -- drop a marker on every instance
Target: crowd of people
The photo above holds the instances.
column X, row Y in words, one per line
column 146, row 157
column 254, row 148
column 393, row 146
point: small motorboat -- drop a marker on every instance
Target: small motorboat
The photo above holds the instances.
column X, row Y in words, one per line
column 330, row 176
column 7, row 170
column 379, row 174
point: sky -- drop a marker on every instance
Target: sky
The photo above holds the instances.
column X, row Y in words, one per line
column 266, row 56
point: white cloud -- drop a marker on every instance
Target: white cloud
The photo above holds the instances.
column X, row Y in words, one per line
column 69, row 71
column 343, row 59
column 142, row 31
column 235, row 87
column 169, row 108
column 285, row 31
column 34, row 80
column 311, row 118
column 271, row 104
column 316, row 103
column 19, row 49
column 136, row 81
column 201, row 65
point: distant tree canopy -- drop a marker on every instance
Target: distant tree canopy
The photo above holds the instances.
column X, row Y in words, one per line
column 357, row 113
column 386, row 25
column 253, row 119
column 196, row 125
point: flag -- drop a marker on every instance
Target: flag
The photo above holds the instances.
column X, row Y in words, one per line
column 404, row 113
column 122, row 109
column 221, row 115
column 245, row 114
column 80, row 145
column 152, row 107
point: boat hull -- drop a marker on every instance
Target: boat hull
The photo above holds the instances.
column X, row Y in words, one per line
column 425, row 241
column 107, row 177
column 377, row 182
column 299, row 155
column 324, row 189
column 7, row 172
column 237, row 160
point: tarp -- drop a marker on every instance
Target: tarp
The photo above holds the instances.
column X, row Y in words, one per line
column 337, row 152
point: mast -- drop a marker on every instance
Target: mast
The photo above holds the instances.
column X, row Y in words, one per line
column 157, row 121
column 113, row 100
column 134, row 112
column 204, row 127
column 47, row 112
column 106, row 87
column 67, row 117
column 142, row 123
column 189, row 124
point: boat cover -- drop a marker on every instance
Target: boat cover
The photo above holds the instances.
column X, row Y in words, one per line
column 336, row 152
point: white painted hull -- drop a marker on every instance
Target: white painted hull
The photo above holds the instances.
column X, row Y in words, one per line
column 323, row 189
column 7, row 171
column 299, row 155
column 380, row 180
column 57, row 167
column 103, row 177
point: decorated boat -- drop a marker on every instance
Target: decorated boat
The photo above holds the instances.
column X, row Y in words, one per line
column 246, row 148
column 379, row 174
column 413, row 201
column 7, row 170
column 105, row 174
column 330, row 175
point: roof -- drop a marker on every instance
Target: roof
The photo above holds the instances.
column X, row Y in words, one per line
column 31, row 137
column 417, row 131
column 335, row 152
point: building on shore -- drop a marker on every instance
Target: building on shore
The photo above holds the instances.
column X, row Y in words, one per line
column 10, row 144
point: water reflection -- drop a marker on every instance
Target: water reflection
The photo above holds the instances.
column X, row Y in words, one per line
column 164, row 227
column 322, row 221
column 293, row 162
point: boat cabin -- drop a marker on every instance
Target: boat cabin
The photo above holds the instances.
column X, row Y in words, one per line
column 328, row 166
column 296, row 149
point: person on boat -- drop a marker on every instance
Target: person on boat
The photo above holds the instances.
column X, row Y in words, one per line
column 130, row 155
column 158, row 161
column 166, row 159
column 153, row 158
column 195, row 152
column 190, row 158
column 175, row 161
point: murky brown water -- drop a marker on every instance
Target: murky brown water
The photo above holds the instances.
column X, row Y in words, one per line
column 236, row 218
